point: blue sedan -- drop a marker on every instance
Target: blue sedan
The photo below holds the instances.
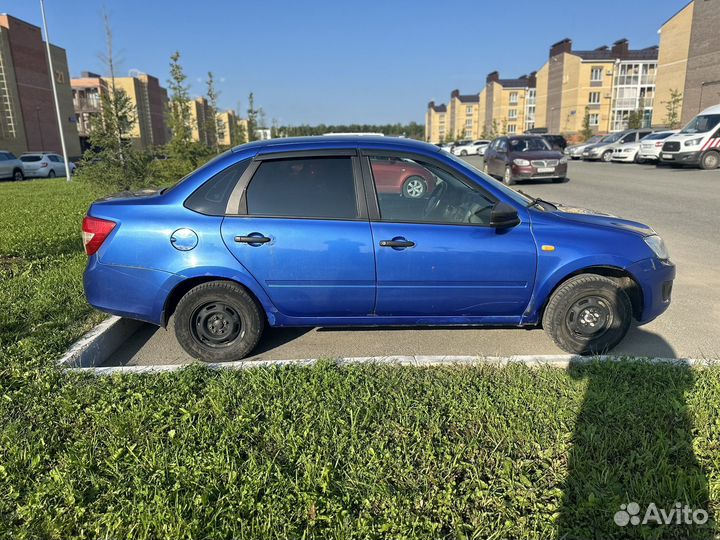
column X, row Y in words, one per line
column 299, row 232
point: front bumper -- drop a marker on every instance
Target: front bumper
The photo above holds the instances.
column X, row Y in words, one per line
column 690, row 158
column 655, row 278
column 531, row 173
column 623, row 157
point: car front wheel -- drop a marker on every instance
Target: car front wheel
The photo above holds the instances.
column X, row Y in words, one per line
column 507, row 177
column 414, row 187
column 18, row 175
column 588, row 314
column 710, row 160
column 218, row 321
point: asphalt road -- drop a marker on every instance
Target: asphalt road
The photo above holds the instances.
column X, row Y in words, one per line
column 682, row 205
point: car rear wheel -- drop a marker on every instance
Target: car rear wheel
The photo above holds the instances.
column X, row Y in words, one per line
column 588, row 314
column 51, row 174
column 607, row 156
column 507, row 177
column 710, row 160
column 18, row 175
column 218, row 321
column 414, row 187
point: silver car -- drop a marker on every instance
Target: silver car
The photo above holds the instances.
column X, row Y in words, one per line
column 10, row 166
column 603, row 150
column 44, row 165
column 575, row 151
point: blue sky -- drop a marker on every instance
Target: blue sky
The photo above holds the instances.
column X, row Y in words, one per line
column 336, row 61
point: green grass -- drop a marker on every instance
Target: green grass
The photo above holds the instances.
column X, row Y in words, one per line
column 327, row 451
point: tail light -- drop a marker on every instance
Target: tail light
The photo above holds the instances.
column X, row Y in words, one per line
column 94, row 233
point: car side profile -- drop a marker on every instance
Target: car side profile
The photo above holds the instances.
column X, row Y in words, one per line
column 524, row 157
column 44, row 165
column 474, row 148
column 297, row 232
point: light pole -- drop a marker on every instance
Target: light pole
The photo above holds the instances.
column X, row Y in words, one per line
column 54, row 88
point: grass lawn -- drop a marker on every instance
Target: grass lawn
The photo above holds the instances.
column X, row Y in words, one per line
column 327, row 451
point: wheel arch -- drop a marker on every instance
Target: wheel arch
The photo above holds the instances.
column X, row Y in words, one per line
column 626, row 280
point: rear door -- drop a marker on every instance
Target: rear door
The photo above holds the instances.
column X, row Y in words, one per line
column 301, row 229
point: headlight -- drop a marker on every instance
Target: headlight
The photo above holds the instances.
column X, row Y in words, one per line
column 693, row 142
column 521, row 162
column 563, row 160
column 658, row 247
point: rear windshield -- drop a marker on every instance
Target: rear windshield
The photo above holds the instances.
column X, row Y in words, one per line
column 657, row 136
column 30, row 159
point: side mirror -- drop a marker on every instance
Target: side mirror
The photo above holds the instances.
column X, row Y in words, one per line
column 504, row 216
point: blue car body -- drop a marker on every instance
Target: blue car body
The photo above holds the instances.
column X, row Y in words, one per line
column 324, row 272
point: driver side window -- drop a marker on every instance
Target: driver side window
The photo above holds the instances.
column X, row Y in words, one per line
column 414, row 191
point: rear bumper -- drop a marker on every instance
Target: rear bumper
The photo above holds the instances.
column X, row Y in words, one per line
column 136, row 293
column 690, row 158
column 655, row 278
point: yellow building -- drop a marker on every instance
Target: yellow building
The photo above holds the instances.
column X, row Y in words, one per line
column 231, row 129
column 509, row 104
column 463, row 113
column 435, row 127
column 203, row 126
column 672, row 61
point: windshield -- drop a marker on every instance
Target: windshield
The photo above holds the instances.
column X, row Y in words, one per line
column 702, row 123
column 511, row 193
column 528, row 144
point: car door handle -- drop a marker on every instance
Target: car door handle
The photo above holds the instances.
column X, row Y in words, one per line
column 252, row 239
column 397, row 243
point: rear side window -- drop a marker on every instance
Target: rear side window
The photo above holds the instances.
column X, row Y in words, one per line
column 212, row 197
column 30, row 159
column 3, row 157
column 321, row 187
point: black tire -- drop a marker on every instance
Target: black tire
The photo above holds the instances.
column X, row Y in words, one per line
column 463, row 152
column 218, row 321
column 606, row 156
column 414, row 187
column 710, row 160
column 581, row 303
column 508, row 180
column 18, row 175
column 51, row 174
column 560, row 180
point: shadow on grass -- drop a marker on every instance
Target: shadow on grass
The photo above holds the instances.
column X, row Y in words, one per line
column 633, row 443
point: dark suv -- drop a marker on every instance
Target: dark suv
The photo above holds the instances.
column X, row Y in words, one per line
column 524, row 157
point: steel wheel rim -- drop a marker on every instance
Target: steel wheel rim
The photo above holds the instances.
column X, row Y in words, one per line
column 414, row 188
column 215, row 325
column 18, row 176
column 589, row 317
column 711, row 161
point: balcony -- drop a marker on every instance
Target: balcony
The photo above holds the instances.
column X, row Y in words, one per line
column 86, row 105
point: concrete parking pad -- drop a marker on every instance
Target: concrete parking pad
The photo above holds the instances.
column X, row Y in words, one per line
column 682, row 205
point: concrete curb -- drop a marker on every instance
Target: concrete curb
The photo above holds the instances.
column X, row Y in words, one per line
column 99, row 343
column 89, row 352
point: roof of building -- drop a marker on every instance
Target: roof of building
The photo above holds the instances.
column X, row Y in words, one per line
column 603, row 53
column 676, row 13
column 513, row 83
column 440, row 108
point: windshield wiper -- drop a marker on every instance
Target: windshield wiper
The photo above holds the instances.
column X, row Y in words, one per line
column 537, row 201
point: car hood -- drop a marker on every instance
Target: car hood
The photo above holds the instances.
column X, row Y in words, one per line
column 594, row 217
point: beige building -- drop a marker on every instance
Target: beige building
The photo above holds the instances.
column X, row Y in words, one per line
column 463, row 114
column 435, row 123
column 28, row 120
column 148, row 98
column 509, row 105
column 231, row 129
column 203, row 127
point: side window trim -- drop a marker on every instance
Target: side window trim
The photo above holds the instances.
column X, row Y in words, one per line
column 237, row 203
column 373, row 203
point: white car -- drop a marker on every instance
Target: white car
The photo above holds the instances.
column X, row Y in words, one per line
column 651, row 145
column 10, row 166
column 44, row 165
column 627, row 152
column 698, row 143
column 474, row 148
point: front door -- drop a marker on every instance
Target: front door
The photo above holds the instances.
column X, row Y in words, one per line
column 438, row 256
column 304, row 238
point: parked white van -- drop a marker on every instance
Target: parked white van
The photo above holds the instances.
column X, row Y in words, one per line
column 698, row 143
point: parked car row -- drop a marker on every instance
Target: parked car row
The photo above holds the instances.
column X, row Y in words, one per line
column 32, row 165
column 697, row 144
column 478, row 147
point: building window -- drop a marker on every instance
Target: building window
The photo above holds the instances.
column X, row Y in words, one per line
column 513, row 97
column 511, row 128
column 468, row 123
column 512, row 114
column 594, row 98
column 596, row 74
column 594, row 119
column 468, row 110
column 468, row 133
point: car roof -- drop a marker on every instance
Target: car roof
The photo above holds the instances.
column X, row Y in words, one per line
column 715, row 109
column 290, row 144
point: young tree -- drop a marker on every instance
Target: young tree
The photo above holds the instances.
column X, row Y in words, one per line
column 586, row 131
column 252, row 119
column 635, row 119
column 213, row 123
column 179, row 118
column 672, row 108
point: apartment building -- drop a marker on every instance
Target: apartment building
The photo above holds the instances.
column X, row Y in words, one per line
column 203, row 125
column 28, row 120
column 509, row 104
column 435, row 122
column 231, row 129
column 148, row 98
column 463, row 115
column 689, row 60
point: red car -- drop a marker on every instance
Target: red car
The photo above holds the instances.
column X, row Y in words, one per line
column 404, row 177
